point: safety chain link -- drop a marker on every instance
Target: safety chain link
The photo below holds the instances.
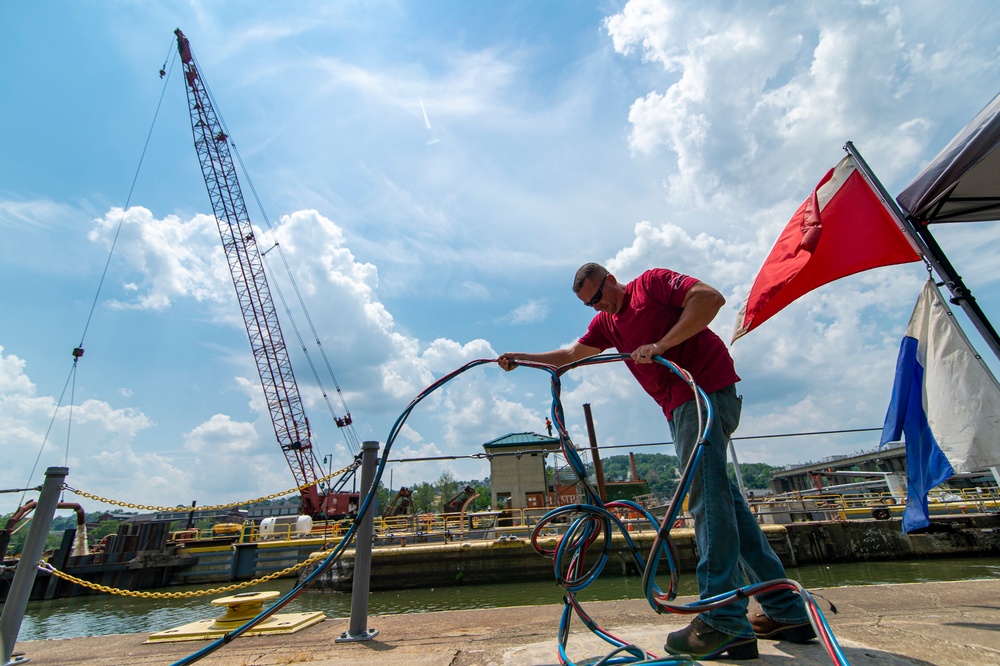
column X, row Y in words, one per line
column 212, row 507
column 45, row 566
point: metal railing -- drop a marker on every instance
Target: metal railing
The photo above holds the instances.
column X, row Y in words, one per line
column 434, row 527
column 806, row 506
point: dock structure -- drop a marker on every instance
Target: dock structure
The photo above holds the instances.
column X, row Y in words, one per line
column 921, row 623
column 446, row 564
column 821, row 530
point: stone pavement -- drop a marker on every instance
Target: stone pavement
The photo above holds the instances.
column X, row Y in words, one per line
column 955, row 623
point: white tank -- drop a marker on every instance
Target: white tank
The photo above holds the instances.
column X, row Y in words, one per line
column 284, row 527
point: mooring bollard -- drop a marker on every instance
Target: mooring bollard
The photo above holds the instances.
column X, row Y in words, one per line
column 27, row 565
column 358, row 630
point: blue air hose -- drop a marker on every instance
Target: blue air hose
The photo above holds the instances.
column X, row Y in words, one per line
column 366, row 504
column 569, row 556
column 596, row 518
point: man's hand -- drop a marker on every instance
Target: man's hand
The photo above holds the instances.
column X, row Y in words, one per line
column 645, row 354
column 556, row 358
column 701, row 303
column 507, row 361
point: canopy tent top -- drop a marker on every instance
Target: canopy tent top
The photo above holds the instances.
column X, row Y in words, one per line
column 961, row 184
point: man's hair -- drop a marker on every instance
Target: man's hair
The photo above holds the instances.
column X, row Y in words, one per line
column 585, row 272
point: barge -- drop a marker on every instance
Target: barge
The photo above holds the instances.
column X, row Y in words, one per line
column 484, row 547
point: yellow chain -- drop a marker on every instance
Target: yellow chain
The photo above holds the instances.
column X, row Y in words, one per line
column 45, row 566
column 214, row 507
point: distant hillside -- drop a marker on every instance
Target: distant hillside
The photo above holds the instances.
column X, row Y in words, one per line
column 662, row 471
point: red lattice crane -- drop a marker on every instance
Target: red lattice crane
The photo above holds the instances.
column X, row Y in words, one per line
column 291, row 427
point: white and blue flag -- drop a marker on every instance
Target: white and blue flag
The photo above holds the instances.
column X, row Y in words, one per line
column 945, row 402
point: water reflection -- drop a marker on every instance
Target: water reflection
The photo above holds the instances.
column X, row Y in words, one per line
column 106, row 614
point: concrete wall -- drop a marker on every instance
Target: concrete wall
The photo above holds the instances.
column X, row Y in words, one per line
column 875, row 540
column 455, row 563
column 517, row 475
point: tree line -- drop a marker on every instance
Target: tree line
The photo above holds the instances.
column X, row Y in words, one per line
column 60, row 523
column 662, row 471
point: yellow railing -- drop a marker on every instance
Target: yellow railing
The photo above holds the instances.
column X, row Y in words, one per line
column 249, row 533
column 520, row 522
column 455, row 526
column 855, row 505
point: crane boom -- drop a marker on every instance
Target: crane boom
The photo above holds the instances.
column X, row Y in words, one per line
column 291, row 427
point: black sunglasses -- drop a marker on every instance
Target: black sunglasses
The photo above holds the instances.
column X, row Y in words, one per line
column 598, row 295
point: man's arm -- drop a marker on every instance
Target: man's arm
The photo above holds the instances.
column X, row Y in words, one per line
column 556, row 357
column 701, row 304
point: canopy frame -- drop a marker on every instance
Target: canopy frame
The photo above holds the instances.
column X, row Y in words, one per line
column 919, row 232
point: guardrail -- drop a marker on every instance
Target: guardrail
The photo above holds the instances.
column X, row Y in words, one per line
column 520, row 522
column 819, row 506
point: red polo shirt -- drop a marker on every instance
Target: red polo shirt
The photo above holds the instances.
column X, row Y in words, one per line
column 651, row 307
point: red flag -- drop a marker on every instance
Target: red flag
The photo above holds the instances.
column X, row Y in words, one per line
column 841, row 229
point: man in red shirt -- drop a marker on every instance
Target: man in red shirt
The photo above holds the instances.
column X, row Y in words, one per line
column 664, row 313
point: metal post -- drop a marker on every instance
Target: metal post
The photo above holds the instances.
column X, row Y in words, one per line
column 736, row 468
column 932, row 253
column 363, row 554
column 27, row 565
column 598, row 466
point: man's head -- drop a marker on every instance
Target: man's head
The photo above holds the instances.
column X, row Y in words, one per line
column 597, row 288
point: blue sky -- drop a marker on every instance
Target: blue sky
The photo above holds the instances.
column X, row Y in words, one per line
column 435, row 172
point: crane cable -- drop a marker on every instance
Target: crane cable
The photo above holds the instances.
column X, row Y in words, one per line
column 353, row 441
column 350, row 435
column 78, row 350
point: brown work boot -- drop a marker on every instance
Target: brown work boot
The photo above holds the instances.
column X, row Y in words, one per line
column 772, row 630
column 703, row 642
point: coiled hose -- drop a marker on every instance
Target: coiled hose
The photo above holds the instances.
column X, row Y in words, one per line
column 594, row 518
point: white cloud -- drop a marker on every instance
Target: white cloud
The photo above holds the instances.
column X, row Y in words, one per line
column 35, row 213
column 757, row 90
column 174, row 258
column 529, row 312
column 664, row 136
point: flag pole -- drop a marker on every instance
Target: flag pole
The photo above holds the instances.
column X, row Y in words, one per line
column 932, row 253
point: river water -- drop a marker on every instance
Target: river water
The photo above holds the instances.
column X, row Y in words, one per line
column 108, row 614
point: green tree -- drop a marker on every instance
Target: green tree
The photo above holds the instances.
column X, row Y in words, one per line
column 382, row 498
column 659, row 470
column 17, row 539
column 662, row 471
column 447, row 487
column 424, row 496
column 483, row 496
column 104, row 528
column 755, row 475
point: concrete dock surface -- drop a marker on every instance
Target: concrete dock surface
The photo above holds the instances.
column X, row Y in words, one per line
column 954, row 623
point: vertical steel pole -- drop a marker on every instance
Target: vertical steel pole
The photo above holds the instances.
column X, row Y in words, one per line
column 736, row 468
column 595, row 454
column 27, row 565
column 927, row 246
column 361, row 583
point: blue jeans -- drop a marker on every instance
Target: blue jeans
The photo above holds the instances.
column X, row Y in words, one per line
column 726, row 532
